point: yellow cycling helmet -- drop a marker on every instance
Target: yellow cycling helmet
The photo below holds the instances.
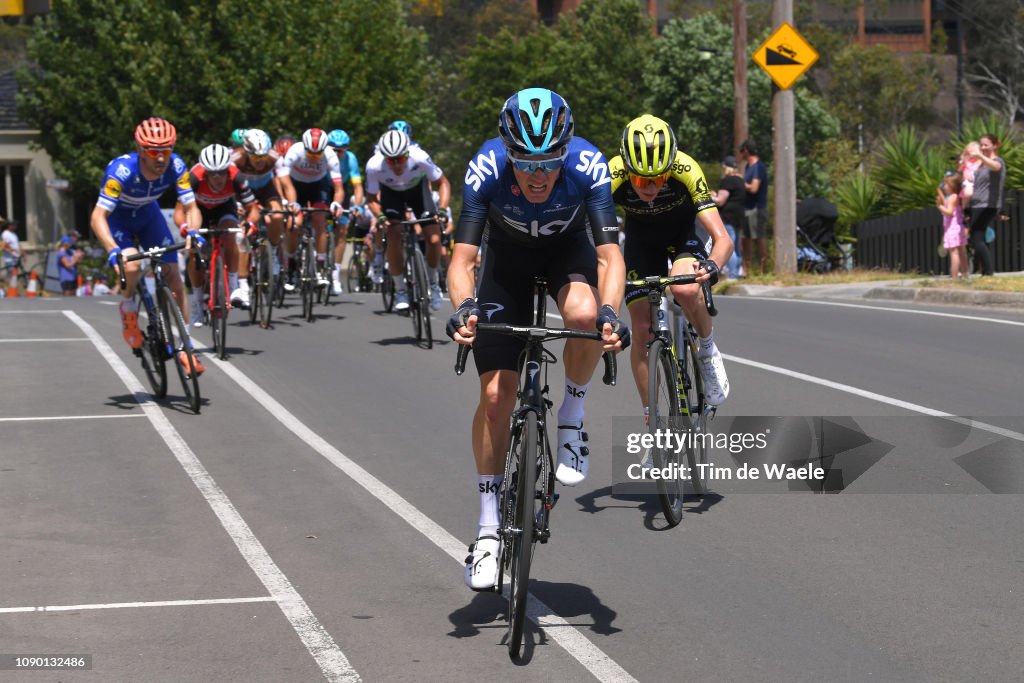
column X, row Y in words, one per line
column 648, row 146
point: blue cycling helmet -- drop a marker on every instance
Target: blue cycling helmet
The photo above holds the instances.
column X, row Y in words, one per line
column 535, row 121
column 338, row 138
column 402, row 126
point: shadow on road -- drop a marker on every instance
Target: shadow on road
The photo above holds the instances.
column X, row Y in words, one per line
column 648, row 504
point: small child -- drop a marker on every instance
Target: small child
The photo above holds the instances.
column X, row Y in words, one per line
column 954, row 232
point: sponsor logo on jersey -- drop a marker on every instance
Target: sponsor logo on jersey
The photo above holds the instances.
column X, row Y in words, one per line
column 535, row 229
column 112, row 189
column 593, row 165
column 184, row 181
column 515, row 190
column 484, row 166
column 122, row 172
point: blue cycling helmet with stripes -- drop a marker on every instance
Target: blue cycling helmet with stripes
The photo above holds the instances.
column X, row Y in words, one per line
column 338, row 138
column 535, row 121
column 402, row 126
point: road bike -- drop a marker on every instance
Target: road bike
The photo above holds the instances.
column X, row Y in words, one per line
column 416, row 283
column 358, row 276
column 218, row 300
column 309, row 273
column 527, row 493
column 675, row 391
column 264, row 285
column 387, row 284
column 164, row 334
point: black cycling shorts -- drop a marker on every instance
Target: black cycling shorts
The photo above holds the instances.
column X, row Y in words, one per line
column 417, row 199
column 213, row 215
column 319, row 192
column 505, row 291
column 646, row 258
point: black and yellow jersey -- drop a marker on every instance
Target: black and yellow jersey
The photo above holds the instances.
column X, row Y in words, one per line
column 684, row 195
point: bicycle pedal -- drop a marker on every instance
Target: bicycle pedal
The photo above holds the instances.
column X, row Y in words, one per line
column 554, row 501
column 137, row 352
column 543, row 535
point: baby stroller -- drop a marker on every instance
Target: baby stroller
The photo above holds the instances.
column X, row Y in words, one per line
column 817, row 250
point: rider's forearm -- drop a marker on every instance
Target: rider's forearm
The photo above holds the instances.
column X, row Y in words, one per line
column 611, row 275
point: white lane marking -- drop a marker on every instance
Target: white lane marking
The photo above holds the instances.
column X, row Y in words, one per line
column 329, row 657
column 123, row 605
column 913, row 311
column 603, row 667
column 875, row 397
column 69, row 417
column 55, row 339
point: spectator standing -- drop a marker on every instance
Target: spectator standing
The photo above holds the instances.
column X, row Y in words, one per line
column 755, row 205
column 101, row 288
column 954, row 231
column 986, row 198
column 729, row 197
column 11, row 248
column 87, row 287
column 68, row 258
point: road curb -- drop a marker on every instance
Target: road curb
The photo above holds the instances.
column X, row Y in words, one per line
column 960, row 297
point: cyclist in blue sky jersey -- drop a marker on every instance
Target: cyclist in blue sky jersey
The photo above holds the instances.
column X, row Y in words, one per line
column 544, row 197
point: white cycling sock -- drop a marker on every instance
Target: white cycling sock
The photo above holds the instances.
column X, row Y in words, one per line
column 337, row 270
column 399, row 281
column 432, row 275
column 196, row 299
column 571, row 411
column 489, row 485
column 128, row 306
column 232, row 281
column 707, row 345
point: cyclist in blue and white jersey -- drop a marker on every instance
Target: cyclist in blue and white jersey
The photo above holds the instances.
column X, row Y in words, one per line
column 398, row 177
column 127, row 210
column 352, row 179
column 544, row 197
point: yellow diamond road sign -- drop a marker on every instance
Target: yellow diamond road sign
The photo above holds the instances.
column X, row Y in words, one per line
column 785, row 56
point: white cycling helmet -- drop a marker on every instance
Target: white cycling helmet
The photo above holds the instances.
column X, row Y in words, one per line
column 314, row 140
column 215, row 158
column 257, row 142
column 394, row 143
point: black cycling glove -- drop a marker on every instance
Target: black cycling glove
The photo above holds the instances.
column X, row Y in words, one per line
column 712, row 268
column 607, row 315
column 461, row 316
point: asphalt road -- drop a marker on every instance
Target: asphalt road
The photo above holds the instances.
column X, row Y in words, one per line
column 312, row 520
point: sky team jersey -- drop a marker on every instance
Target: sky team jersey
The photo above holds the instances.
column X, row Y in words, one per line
column 257, row 174
column 300, row 167
column 124, row 186
column 235, row 186
column 418, row 167
column 684, row 195
column 582, row 195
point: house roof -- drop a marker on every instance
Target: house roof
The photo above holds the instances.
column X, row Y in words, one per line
column 9, row 119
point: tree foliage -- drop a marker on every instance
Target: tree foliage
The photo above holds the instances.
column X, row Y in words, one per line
column 995, row 56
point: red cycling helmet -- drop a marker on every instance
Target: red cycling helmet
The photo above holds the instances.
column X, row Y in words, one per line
column 156, row 132
column 283, row 144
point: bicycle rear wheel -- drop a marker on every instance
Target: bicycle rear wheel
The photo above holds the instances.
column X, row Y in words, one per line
column 307, row 276
column 219, row 313
column 328, row 268
column 663, row 414
column 180, row 344
column 423, row 300
column 695, row 409
column 353, row 274
column 517, row 524
column 387, row 291
column 412, row 291
column 152, row 351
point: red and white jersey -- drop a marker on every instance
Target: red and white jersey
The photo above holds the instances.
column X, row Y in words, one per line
column 418, row 167
column 235, row 186
column 304, row 169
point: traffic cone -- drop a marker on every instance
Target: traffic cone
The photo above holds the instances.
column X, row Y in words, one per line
column 12, row 286
column 33, row 285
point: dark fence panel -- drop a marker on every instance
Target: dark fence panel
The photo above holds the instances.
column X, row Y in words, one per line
column 909, row 241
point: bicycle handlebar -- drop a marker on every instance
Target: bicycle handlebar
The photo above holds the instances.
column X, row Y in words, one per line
column 429, row 220
column 149, row 253
column 541, row 334
column 664, row 282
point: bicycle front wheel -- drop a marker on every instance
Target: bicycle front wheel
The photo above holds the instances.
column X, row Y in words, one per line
column 663, row 414
column 153, row 345
column 387, row 291
column 307, row 272
column 423, row 300
column 354, row 272
column 181, row 347
column 695, row 409
column 517, row 524
column 264, row 303
column 219, row 314
column 328, row 268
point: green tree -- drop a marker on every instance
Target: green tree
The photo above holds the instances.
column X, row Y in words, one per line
column 872, row 91
column 995, row 55
column 212, row 67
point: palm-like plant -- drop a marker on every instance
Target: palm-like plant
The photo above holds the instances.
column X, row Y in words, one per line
column 858, row 199
column 908, row 172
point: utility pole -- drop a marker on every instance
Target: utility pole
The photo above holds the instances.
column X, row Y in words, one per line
column 784, row 143
column 740, row 125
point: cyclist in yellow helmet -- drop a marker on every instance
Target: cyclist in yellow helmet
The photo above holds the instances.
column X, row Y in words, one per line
column 664, row 193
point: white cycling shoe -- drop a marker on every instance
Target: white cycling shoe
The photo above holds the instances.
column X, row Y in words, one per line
column 481, row 572
column 573, row 455
column 435, row 297
column 240, row 298
column 716, row 382
column 402, row 300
